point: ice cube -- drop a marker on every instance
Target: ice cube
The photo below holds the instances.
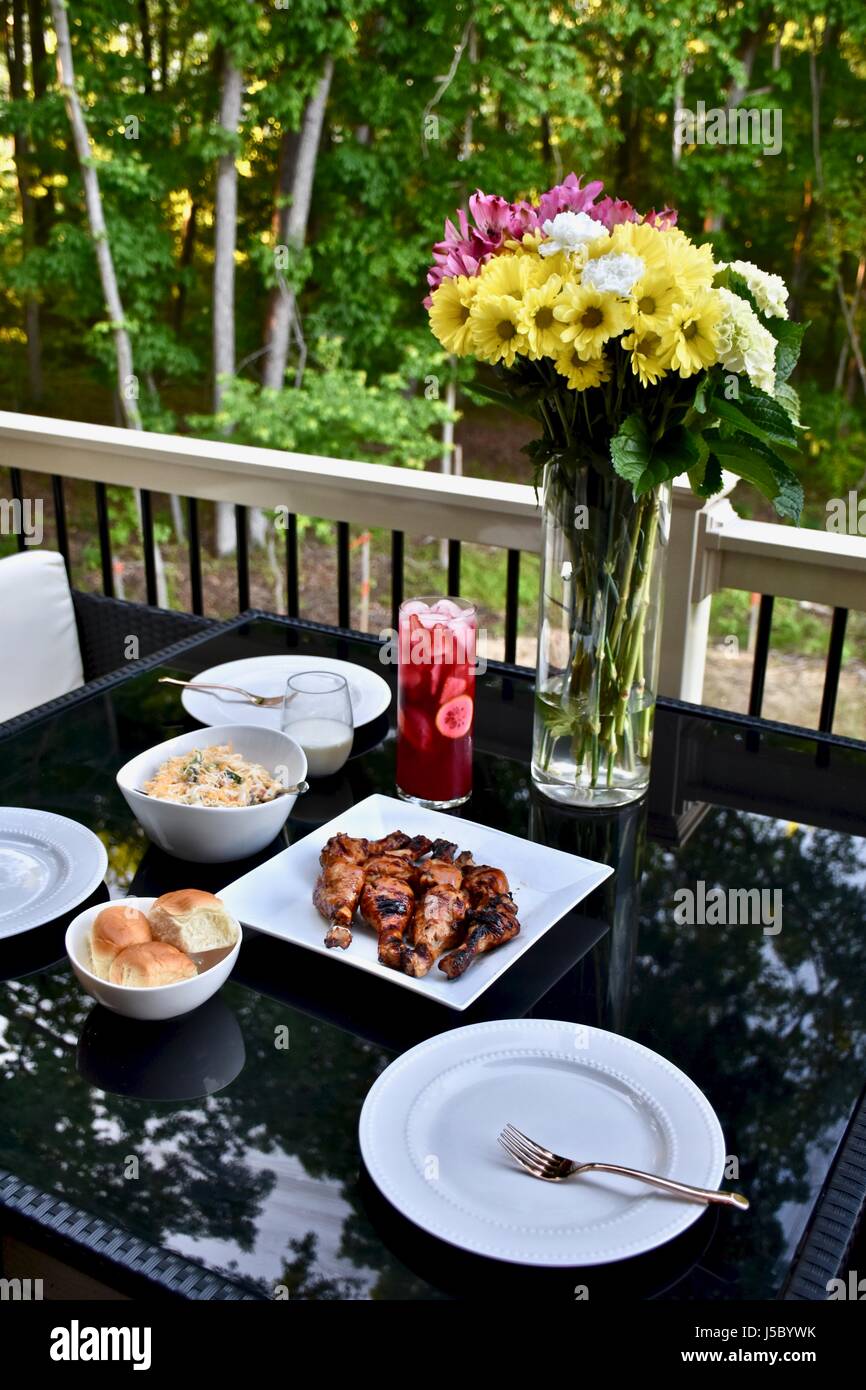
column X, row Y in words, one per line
column 430, row 619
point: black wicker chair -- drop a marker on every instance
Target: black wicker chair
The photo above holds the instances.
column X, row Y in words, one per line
column 111, row 631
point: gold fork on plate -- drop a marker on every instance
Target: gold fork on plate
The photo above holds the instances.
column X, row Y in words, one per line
column 262, row 701
column 550, row 1167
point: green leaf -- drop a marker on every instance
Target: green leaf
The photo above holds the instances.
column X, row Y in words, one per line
column 789, row 337
column 630, row 451
column 702, row 395
column 680, row 450
column 759, row 415
column 633, row 456
column 788, row 400
column 645, row 463
column 758, row 465
column 563, row 717
column 706, row 476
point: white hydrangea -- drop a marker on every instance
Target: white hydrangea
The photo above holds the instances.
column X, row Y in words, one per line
column 570, row 232
column 770, row 291
column 614, row 272
column 744, row 344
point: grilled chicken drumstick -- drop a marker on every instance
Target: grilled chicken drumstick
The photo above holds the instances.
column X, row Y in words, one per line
column 388, row 900
column 487, row 927
column 437, row 925
column 346, row 863
column 481, row 881
column 339, row 886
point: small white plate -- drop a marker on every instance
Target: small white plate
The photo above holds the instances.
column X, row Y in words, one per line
column 267, row 675
column 48, row 865
column 277, row 897
column 429, row 1127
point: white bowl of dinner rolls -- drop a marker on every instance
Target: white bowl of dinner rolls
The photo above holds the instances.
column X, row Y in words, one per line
column 154, row 958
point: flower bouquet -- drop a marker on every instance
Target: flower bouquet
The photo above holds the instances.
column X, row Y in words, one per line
column 641, row 358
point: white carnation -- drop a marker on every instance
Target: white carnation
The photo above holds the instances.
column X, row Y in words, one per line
column 770, row 291
column 744, row 344
column 570, row 232
column 613, row 272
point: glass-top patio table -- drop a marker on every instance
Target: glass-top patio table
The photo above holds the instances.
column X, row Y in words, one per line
column 248, row 1161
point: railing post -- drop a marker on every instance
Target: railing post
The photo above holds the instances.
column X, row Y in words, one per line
column 687, row 595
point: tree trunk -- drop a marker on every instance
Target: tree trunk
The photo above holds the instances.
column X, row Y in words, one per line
column 40, row 68
column 126, row 380
column 15, row 46
column 282, row 309
column 225, row 232
column 163, row 46
column 225, row 241
column 146, row 46
column 747, row 52
column 186, row 254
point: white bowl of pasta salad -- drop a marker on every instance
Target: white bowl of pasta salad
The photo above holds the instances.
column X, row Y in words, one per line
column 213, row 796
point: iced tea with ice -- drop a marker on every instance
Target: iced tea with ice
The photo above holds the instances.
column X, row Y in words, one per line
column 436, row 700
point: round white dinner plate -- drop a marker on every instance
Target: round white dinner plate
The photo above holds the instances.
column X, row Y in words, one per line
column 429, row 1128
column 267, row 675
column 48, row 865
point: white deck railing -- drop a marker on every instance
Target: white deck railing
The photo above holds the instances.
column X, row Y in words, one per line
column 711, row 547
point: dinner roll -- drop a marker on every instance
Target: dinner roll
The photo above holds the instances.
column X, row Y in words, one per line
column 114, row 929
column 150, row 963
column 192, row 921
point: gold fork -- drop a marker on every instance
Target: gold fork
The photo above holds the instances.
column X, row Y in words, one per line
column 551, row 1167
column 263, row 701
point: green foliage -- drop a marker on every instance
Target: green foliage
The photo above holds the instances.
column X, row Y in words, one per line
column 534, row 91
column 335, row 412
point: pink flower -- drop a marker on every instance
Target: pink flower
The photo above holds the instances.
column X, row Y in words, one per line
column 456, row 261
column 612, row 211
column 491, row 214
column 568, row 196
column 663, row 220
column 524, row 218
column 463, row 251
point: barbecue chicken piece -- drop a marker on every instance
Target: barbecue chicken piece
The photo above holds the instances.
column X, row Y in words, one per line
column 480, row 881
column 388, row 900
column 398, row 842
column 486, row 928
column 339, row 886
column 437, row 925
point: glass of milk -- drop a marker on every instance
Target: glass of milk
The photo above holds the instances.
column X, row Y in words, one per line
column 317, row 714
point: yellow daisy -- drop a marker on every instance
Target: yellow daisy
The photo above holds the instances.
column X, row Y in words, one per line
column 528, row 243
column 693, row 330
column 582, row 372
column 636, row 239
column 691, row 266
column 512, row 275
column 651, row 301
column 496, row 328
column 542, row 330
column 590, row 317
column 449, row 313
column 650, row 355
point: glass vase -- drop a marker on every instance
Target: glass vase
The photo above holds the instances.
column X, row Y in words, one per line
column 602, row 574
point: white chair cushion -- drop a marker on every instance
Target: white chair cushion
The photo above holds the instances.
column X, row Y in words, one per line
column 39, row 653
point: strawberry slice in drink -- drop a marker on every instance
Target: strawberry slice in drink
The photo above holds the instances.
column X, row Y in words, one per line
column 415, row 727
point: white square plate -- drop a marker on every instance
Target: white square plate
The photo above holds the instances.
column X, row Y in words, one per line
column 277, row 897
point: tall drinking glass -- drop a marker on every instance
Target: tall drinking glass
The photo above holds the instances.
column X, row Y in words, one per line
column 436, row 701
